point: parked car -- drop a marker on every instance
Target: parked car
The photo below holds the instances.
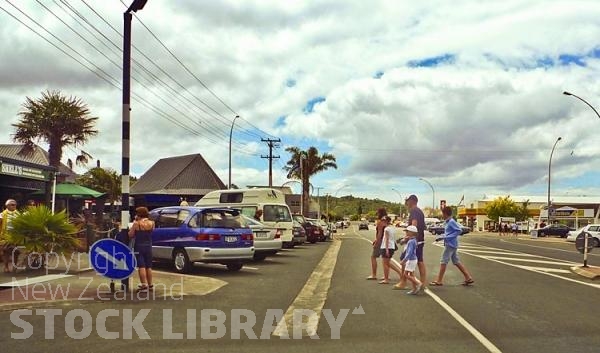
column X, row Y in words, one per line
column 326, row 228
column 299, row 232
column 267, row 240
column 439, row 229
column 364, row 225
column 560, row 230
column 316, row 229
column 185, row 235
column 593, row 229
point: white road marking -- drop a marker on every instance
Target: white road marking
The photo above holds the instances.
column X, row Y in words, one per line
column 499, row 252
column 250, row 268
column 313, row 295
column 547, row 248
column 545, row 269
column 472, row 330
column 33, row 280
column 558, row 262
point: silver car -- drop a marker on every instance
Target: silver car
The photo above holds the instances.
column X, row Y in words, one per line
column 267, row 240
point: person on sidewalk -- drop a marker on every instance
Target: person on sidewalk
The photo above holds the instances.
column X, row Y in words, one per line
column 10, row 253
column 452, row 231
column 387, row 249
column 410, row 260
column 515, row 229
column 376, row 252
column 141, row 232
column 417, row 218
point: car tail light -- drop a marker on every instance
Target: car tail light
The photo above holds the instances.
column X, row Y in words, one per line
column 208, row 237
column 278, row 233
column 247, row 236
column 317, row 231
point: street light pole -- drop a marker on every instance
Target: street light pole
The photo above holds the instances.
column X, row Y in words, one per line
column 583, row 100
column 432, row 190
column 126, row 126
column 230, row 136
column 399, row 194
column 550, row 174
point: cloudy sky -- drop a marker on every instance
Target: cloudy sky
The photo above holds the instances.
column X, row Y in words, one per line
column 466, row 94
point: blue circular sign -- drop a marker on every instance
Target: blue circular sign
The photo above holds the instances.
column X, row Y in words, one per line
column 112, row 259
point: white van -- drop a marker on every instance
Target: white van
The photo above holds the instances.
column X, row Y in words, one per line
column 276, row 212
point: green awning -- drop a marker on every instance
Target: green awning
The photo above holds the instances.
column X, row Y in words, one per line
column 73, row 191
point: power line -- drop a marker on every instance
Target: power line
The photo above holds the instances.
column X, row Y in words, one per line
column 107, row 77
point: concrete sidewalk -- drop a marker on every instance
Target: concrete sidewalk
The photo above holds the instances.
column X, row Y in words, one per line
column 71, row 279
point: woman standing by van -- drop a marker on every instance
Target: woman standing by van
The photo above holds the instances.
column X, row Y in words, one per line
column 141, row 232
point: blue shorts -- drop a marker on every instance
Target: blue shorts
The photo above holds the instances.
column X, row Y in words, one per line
column 143, row 256
column 450, row 253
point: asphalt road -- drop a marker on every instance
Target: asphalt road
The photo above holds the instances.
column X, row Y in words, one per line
column 524, row 300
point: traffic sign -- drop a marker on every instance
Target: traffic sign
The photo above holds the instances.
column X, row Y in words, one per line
column 580, row 242
column 112, row 259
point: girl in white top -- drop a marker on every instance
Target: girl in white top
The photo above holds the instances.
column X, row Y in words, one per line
column 388, row 247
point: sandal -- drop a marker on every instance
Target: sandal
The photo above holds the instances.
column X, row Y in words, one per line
column 151, row 286
column 468, row 282
column 397, row 287
column 142, row 288
column 436, row 284
column 371, row 278
column 384, row 282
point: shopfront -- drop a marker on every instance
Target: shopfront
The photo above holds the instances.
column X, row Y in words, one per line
column 18, row 179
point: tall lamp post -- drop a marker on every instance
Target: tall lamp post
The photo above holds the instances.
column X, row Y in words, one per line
column 230, row 136
column 397, row 192
column 334, row 195
column 583, row 100
column 432, row 190
column 125, row 208
column 550, row 174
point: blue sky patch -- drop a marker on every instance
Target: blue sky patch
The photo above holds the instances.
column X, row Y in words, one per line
column 378, row 74
column 280, row 121
column 310, row 105
column 567, row 59
column 433, row 61
column 290, row 82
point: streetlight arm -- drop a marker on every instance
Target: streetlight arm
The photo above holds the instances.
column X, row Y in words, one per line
column 432, row 190
column 583, row 100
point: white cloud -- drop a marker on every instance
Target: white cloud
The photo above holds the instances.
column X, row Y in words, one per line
column 483, row 121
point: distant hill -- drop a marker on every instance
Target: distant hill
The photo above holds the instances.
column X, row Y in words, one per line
column 356, row 207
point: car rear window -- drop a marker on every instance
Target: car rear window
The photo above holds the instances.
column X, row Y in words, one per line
column 276, row 213
column 222, row 219
column 171, row 219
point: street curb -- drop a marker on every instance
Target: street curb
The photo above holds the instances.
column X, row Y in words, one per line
column 586, row 272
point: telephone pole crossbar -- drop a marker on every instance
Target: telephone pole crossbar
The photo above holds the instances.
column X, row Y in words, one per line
column 272, row 143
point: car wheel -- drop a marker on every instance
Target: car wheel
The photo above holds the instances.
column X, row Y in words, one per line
column 541, row 234
column 181, row 261
column 596, row 242
column 313, row 241
column 260, row 257
column 236, row 266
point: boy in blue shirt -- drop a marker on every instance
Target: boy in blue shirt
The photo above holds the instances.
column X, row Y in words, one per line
column 451, row 233
column 409, row 263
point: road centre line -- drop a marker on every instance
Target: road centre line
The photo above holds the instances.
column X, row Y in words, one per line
column 545, row 269
column 470, row 328
column 313, row 295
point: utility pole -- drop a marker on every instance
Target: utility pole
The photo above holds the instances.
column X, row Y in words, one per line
column 319, row 202
column 272, row 143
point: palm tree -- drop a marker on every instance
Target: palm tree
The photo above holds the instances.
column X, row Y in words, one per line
column 103, row 180
column 304, row 164
column 57, row 120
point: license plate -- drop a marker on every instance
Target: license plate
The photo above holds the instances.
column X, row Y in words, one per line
column 231, row 239
column 261, row 235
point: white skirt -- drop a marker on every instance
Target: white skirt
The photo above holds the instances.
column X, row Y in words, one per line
column 410, row 266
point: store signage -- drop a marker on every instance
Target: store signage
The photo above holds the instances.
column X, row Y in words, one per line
column 22, row 171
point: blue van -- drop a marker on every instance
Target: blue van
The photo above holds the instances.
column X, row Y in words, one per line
column 184, row 235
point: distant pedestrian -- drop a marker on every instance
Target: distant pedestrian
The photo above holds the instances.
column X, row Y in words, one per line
column 9, row 252
column 376, row 252
column 410, row 260
column 141, row 232
column 500, row 228
column 515, row 229
column 506, row 229
column 451, row 233
column 258, row 215
column 417, row 218
column 387, row 249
